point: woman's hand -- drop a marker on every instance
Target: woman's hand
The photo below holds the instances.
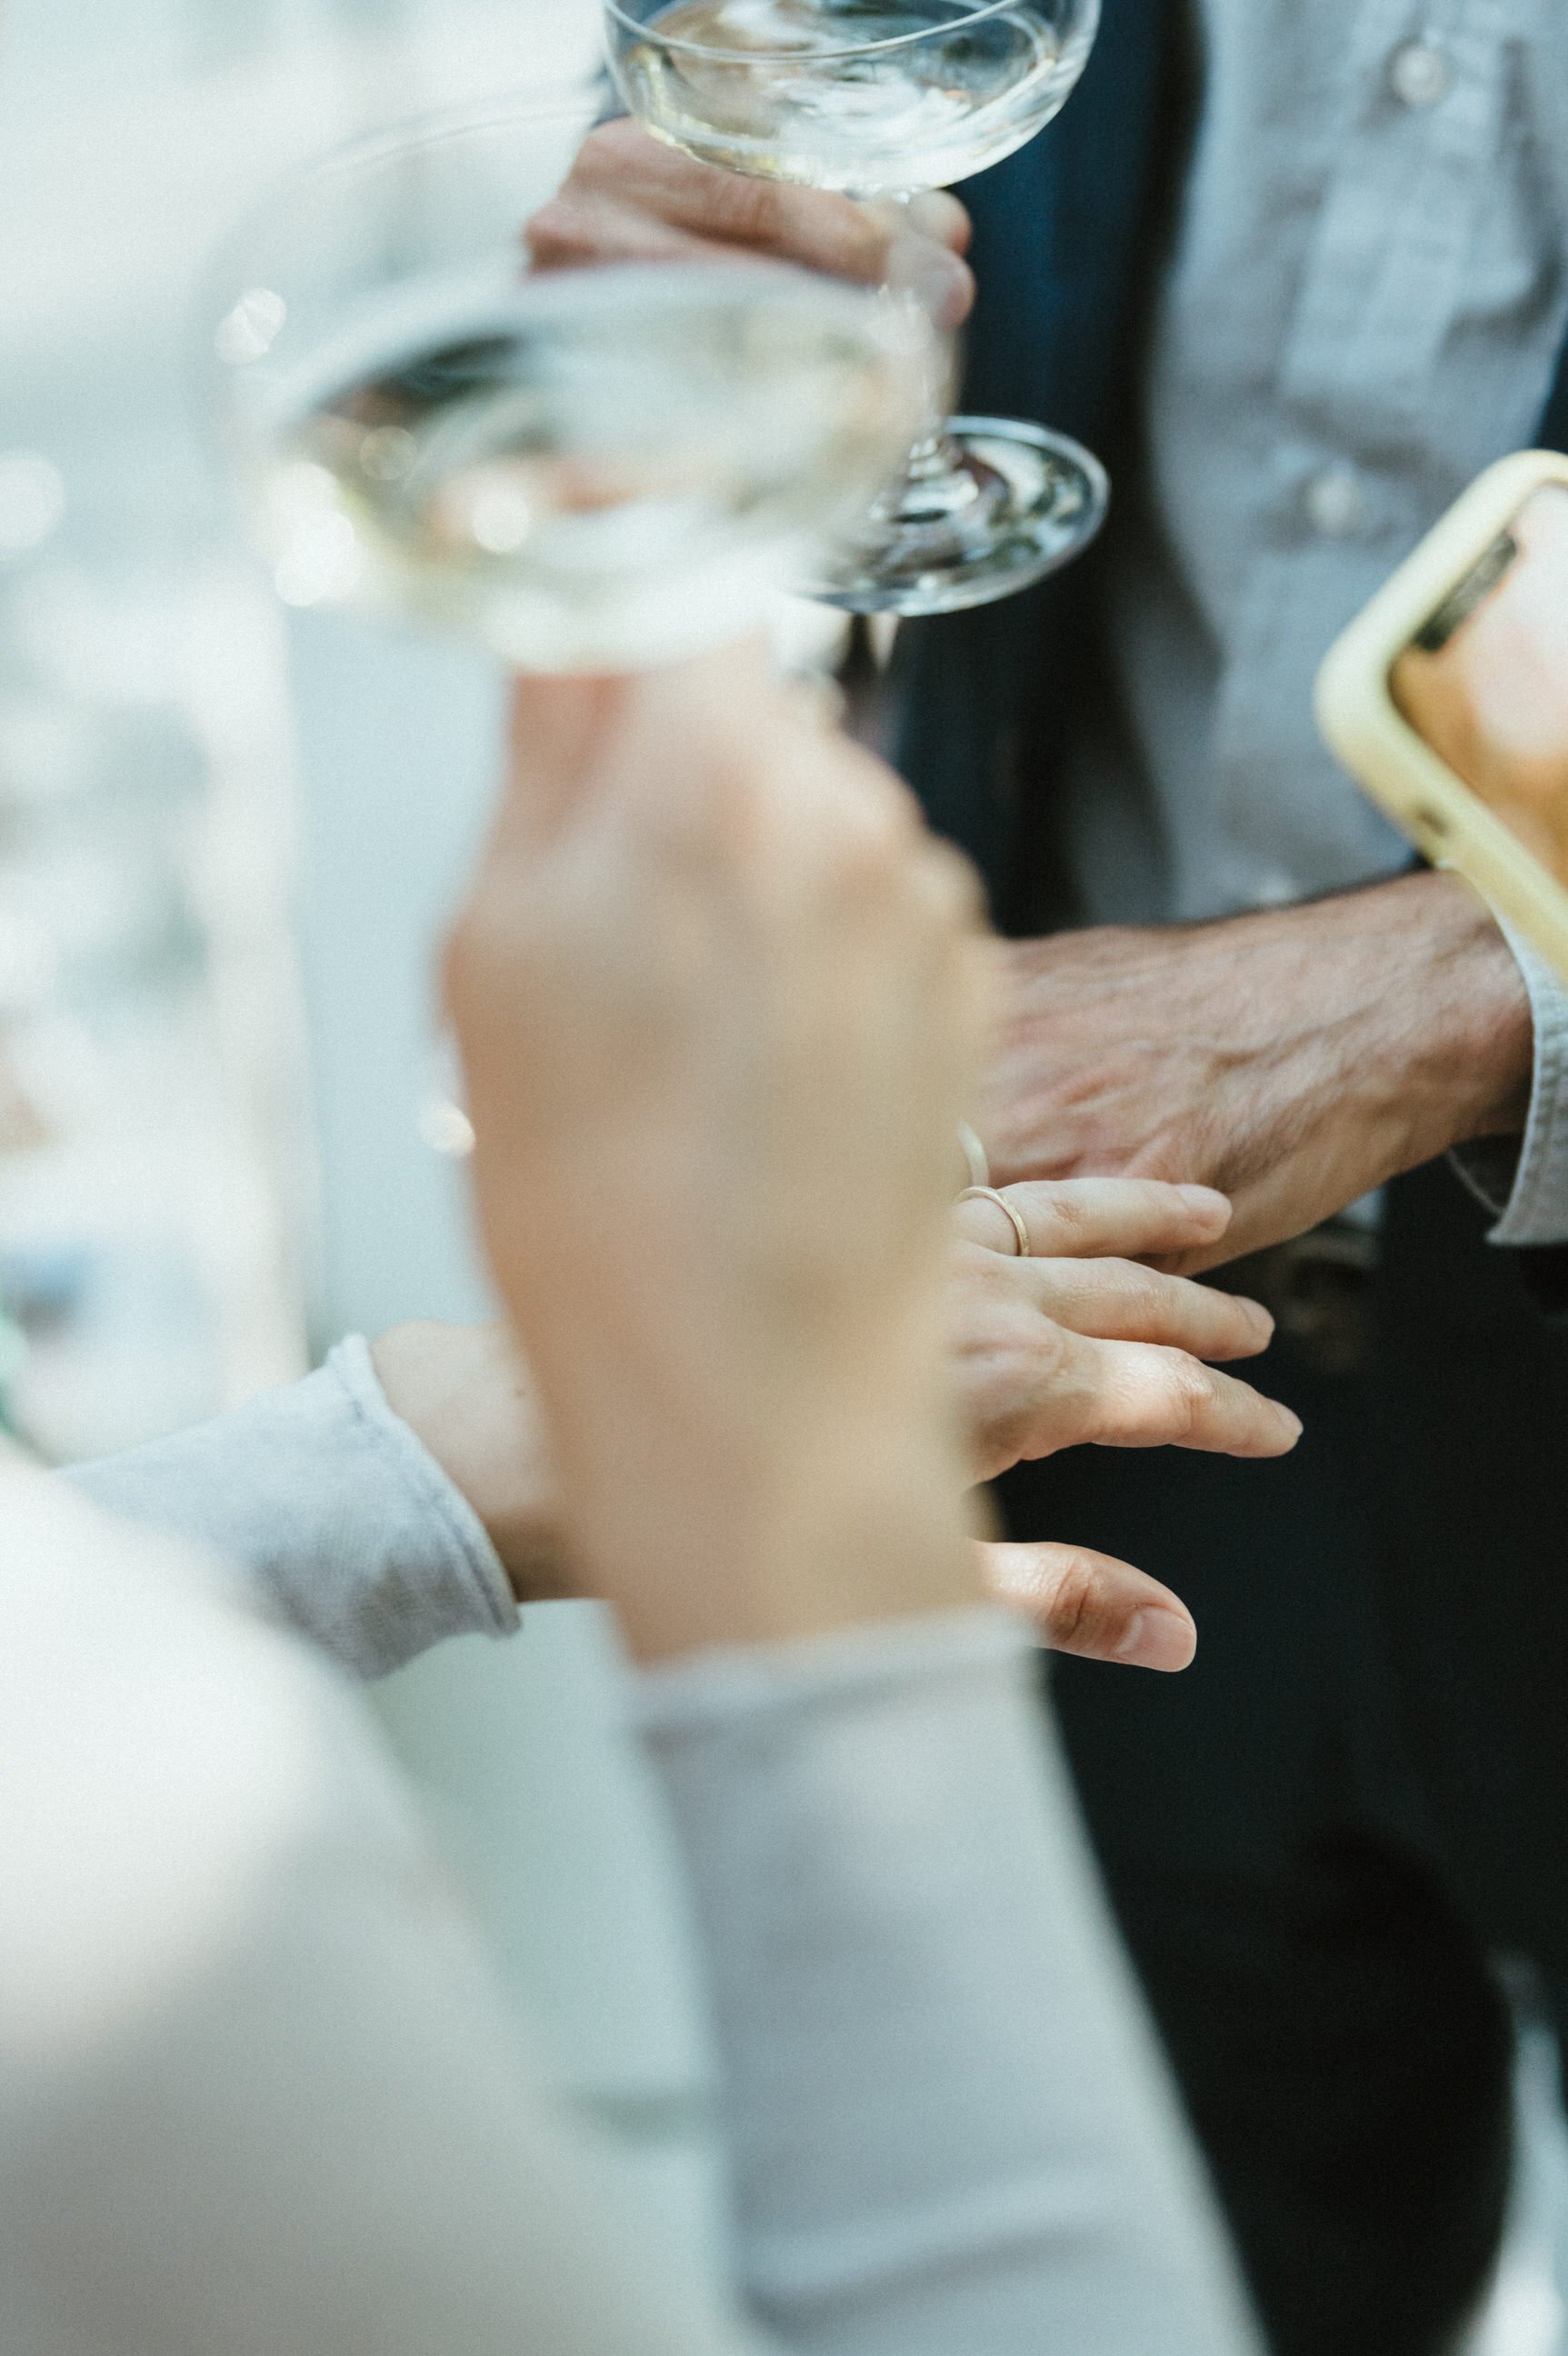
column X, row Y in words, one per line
column 1092, row 1605
column 719, row 998
column 465, row 1392
column 1066, row 1349
column 1081, row 1343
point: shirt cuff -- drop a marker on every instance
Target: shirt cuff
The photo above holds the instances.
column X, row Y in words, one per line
column 1526, row 1182
column 900, row 1925
column 345, row 1524
column 736, row 1686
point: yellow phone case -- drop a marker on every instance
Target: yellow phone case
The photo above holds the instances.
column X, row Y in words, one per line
column 1363, row 728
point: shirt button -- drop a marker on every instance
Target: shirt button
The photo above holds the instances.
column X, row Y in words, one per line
column 1418, row 74
column 1272, row 889
column 1334, row 502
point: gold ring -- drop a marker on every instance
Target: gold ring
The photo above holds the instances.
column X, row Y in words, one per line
column 1009, row 1211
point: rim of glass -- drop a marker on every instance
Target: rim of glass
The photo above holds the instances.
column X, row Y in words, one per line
column 227, row 267
column 707, row 50
column 583, row 99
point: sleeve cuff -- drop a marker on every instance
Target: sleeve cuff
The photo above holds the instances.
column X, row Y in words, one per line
column 1526, row 1182
column 739, row 1686
column 346, row 1524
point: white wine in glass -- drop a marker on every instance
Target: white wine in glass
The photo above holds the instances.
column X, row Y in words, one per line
column 588, row 469
column 889, row 98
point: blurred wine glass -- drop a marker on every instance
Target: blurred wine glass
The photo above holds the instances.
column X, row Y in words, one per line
column 587, row 469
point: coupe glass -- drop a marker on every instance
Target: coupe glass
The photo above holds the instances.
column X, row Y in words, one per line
column 582, row 469
column 889, row 98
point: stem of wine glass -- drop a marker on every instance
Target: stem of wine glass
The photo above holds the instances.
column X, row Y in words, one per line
column 934, row 476
column 928, row 450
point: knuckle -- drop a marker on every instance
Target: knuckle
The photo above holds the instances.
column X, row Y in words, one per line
column 865, row 242
column 560, row 231
column 1189, row 1391
column 1076, row 1614
column 1009, row 1378
column 1008, row 1435
column 751, row 212
column 1067, row 1207
column 1048, row 1351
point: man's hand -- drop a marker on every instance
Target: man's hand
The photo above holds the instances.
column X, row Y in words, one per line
column 1294, row 1059
column 631, row 198
column 1082, row 1344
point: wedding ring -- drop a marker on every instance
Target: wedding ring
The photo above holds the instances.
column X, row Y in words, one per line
column 1009, row 1211
column 974, row 1156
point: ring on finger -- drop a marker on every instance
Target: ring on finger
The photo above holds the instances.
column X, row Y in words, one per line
column 1009, row 1211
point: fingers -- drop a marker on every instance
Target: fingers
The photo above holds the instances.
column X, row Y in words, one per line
column 583, row 227
column 1092, row 1604
column 1121, row 1300
column 1140, row 1395
column 1029, row 1386
column 938, row 214
column 921, row 255
column 1125, row 1219
column 631, row 198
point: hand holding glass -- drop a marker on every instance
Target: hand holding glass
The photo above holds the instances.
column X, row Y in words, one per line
column 890, row 98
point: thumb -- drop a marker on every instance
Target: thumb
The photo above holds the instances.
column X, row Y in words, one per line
column 1092, row 1604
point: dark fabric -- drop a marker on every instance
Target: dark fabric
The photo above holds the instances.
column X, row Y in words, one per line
column 1553, row 432
column 1318, row 1837
column 1067, row 234
column 1472, row 1431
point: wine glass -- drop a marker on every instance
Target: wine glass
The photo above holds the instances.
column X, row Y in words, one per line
column 583, row 469
column 888, row 97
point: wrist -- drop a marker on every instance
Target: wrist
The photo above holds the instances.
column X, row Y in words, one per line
column 1469, row 1071
column 822, row 1540
column 462, row 1393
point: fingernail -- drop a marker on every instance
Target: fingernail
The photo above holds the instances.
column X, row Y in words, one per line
column 1291, row 1422
column 1207, row 1200
column 1157, row 1640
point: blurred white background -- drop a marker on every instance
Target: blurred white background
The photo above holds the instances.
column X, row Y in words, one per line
column 295, row 804
column 226, row 847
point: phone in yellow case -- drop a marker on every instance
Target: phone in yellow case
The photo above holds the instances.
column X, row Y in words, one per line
column 1447, row 697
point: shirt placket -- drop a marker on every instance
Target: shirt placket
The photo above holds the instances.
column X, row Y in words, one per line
column 1423, row 125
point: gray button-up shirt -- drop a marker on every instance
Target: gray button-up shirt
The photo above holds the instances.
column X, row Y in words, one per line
column 1369, row 292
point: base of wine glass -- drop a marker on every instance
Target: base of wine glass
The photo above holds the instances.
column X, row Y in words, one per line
column 1012, row 503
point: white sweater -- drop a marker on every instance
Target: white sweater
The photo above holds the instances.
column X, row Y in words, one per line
column 260, row 2095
